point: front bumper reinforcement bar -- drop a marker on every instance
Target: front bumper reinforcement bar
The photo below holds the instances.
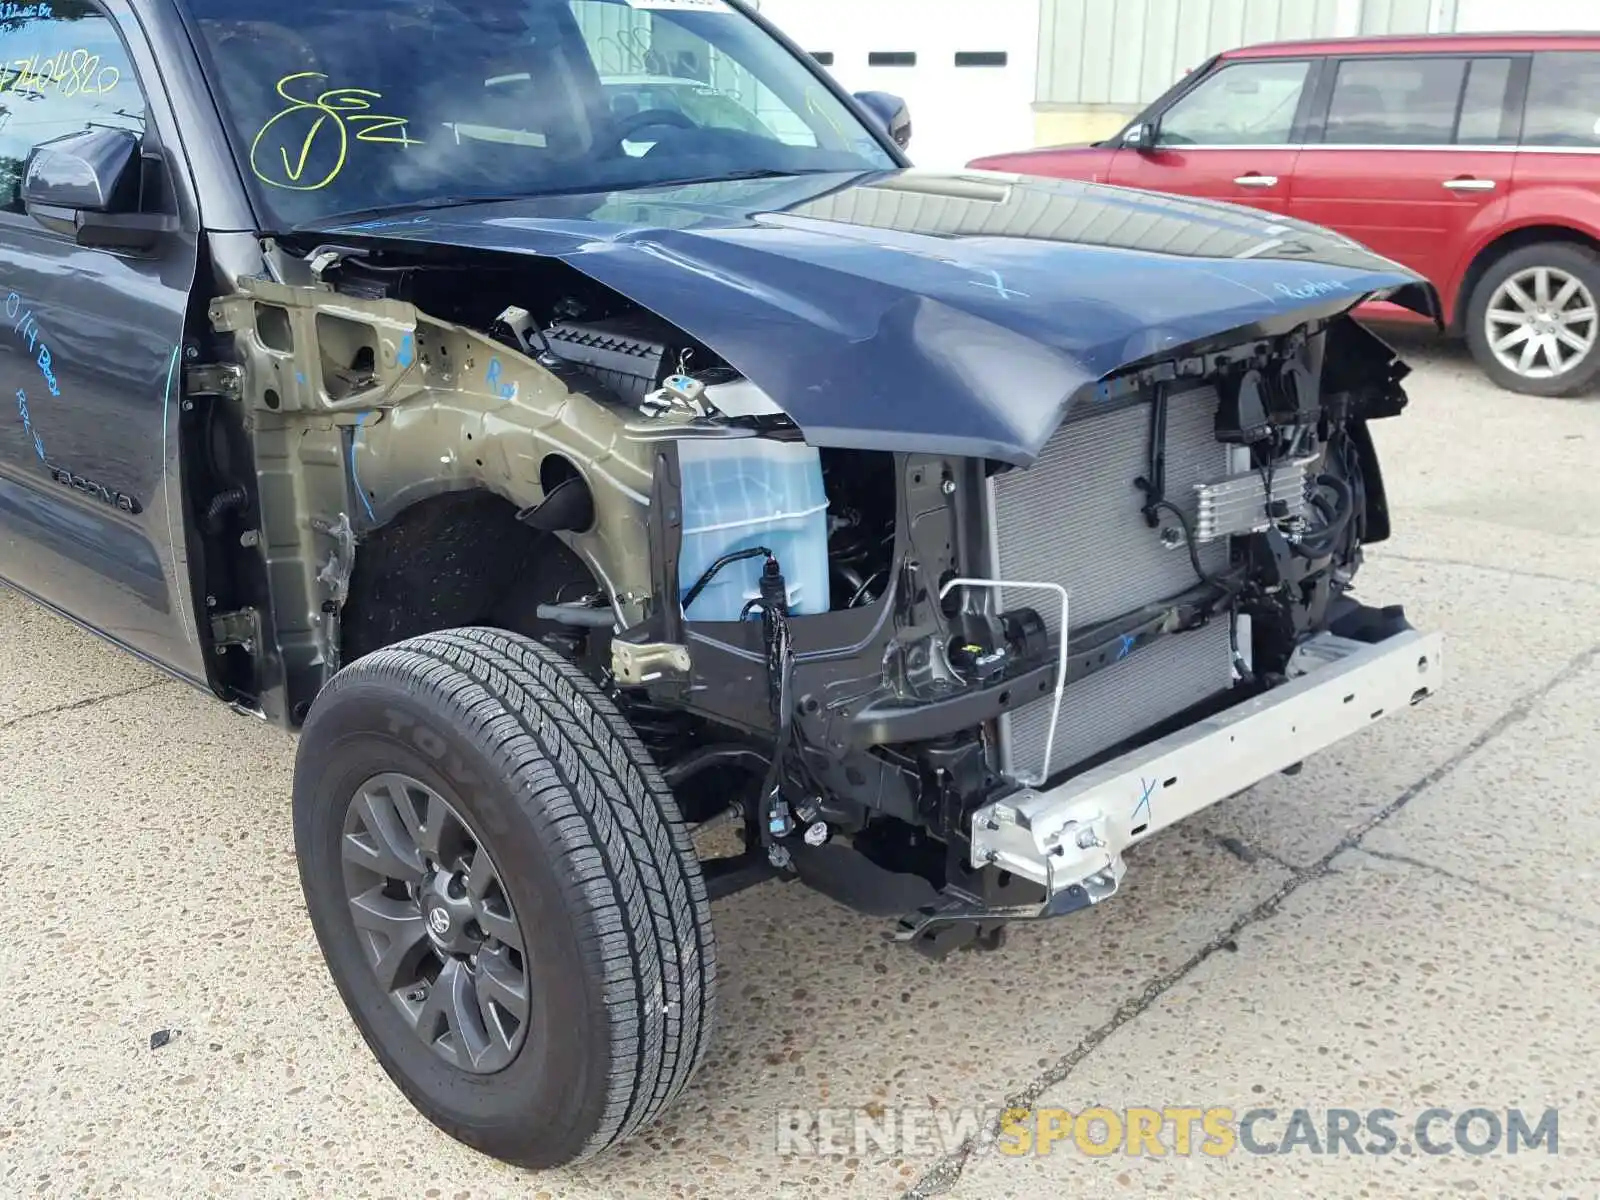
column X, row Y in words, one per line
column 1071, row 838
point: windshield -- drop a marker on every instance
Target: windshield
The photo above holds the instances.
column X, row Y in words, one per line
column 350, row 105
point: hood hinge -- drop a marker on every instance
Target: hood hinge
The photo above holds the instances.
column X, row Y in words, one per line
column 240, row 628
column 214, row 379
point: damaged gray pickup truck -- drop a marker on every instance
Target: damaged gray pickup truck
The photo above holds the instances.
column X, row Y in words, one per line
column 580, row 476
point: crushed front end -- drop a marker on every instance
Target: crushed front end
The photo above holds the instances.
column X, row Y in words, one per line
column 1022, row 672
column 941, row 601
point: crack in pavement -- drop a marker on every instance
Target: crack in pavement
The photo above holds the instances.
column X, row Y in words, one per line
column 1499, row 893
column 74, row 705
column 1245, row 852
column 945, row 1173
column 1427, row 561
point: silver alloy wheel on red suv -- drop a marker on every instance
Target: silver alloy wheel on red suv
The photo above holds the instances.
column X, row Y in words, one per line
column 1533, row 322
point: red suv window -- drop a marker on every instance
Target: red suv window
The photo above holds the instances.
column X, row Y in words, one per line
column 1407, row 101
column 1563, row 100
column 1422, row 100
column 1241, row 104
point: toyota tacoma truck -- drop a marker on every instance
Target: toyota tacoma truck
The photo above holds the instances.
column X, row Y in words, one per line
column 629, row 506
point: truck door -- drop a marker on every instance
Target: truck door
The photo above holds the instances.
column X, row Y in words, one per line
column 90, row 516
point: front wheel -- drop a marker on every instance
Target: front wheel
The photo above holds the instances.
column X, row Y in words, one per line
column 1533, row 323
column 504, row 893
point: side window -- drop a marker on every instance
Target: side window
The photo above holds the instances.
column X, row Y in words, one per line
column 1483, row 104
column 1243, row 104
column 1395, row 101
column 1563, row 100
column 62, row 70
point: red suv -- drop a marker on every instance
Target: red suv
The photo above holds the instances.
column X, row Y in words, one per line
column 1474, row 160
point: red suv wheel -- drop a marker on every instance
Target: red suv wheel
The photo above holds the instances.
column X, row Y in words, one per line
column 1533, row 322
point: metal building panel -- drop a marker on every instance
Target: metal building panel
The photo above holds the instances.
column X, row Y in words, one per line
column 1130, row 51
column 1395, row 16
column 1227, row 27
column 1097, row 45
column 1163, row 34
column 1130, row 48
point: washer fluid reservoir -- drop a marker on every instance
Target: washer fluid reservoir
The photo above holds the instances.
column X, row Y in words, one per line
column 744, row 492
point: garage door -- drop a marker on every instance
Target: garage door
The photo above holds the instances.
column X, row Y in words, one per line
column 965, row 67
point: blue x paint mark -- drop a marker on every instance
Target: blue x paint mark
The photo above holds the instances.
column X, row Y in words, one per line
column 1128, row 640
column 408, row 352
column 998, row 287
column 1144, row 801
column 506, row 391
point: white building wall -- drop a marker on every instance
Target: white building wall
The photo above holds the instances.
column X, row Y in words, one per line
column 957, row 112
column 1483, row 16
column 1398, row 16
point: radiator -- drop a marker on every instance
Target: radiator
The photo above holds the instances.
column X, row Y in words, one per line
column 1074, row 519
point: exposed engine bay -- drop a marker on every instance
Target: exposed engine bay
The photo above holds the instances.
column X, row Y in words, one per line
column 846, row 653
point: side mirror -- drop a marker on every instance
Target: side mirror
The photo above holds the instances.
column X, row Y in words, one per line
column 86, row 186
column 1142, row 137
column 891, row 114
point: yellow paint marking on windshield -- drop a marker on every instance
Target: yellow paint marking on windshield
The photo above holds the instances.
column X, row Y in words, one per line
column 298, row 169
column 813, row 107
column 72, row 72
column 332, row 110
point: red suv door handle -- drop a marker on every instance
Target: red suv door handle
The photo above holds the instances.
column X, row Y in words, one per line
column 1258, row 181
column 1466, row 183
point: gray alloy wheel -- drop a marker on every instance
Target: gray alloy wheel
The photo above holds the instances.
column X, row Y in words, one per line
column 437, row 926
column 1532, row 320
column 505, row 894
column 1542, row 322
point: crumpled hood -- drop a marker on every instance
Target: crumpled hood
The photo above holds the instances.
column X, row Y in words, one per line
column 909, row 310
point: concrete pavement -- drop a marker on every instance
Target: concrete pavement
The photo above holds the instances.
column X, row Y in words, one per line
column 1411, row 923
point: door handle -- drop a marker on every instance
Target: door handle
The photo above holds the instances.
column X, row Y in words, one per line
column 1257, row 181
column 1470, row 185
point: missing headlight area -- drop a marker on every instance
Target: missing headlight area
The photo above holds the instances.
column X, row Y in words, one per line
column 847, row 646
column 390, row 398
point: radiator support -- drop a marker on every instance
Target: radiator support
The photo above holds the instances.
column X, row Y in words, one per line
column 1074, row 519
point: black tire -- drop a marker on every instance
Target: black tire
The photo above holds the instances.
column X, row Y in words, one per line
column 1581, row 263
column 591, row 851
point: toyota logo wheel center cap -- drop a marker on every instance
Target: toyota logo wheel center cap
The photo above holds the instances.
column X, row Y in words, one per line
column 448, row 915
